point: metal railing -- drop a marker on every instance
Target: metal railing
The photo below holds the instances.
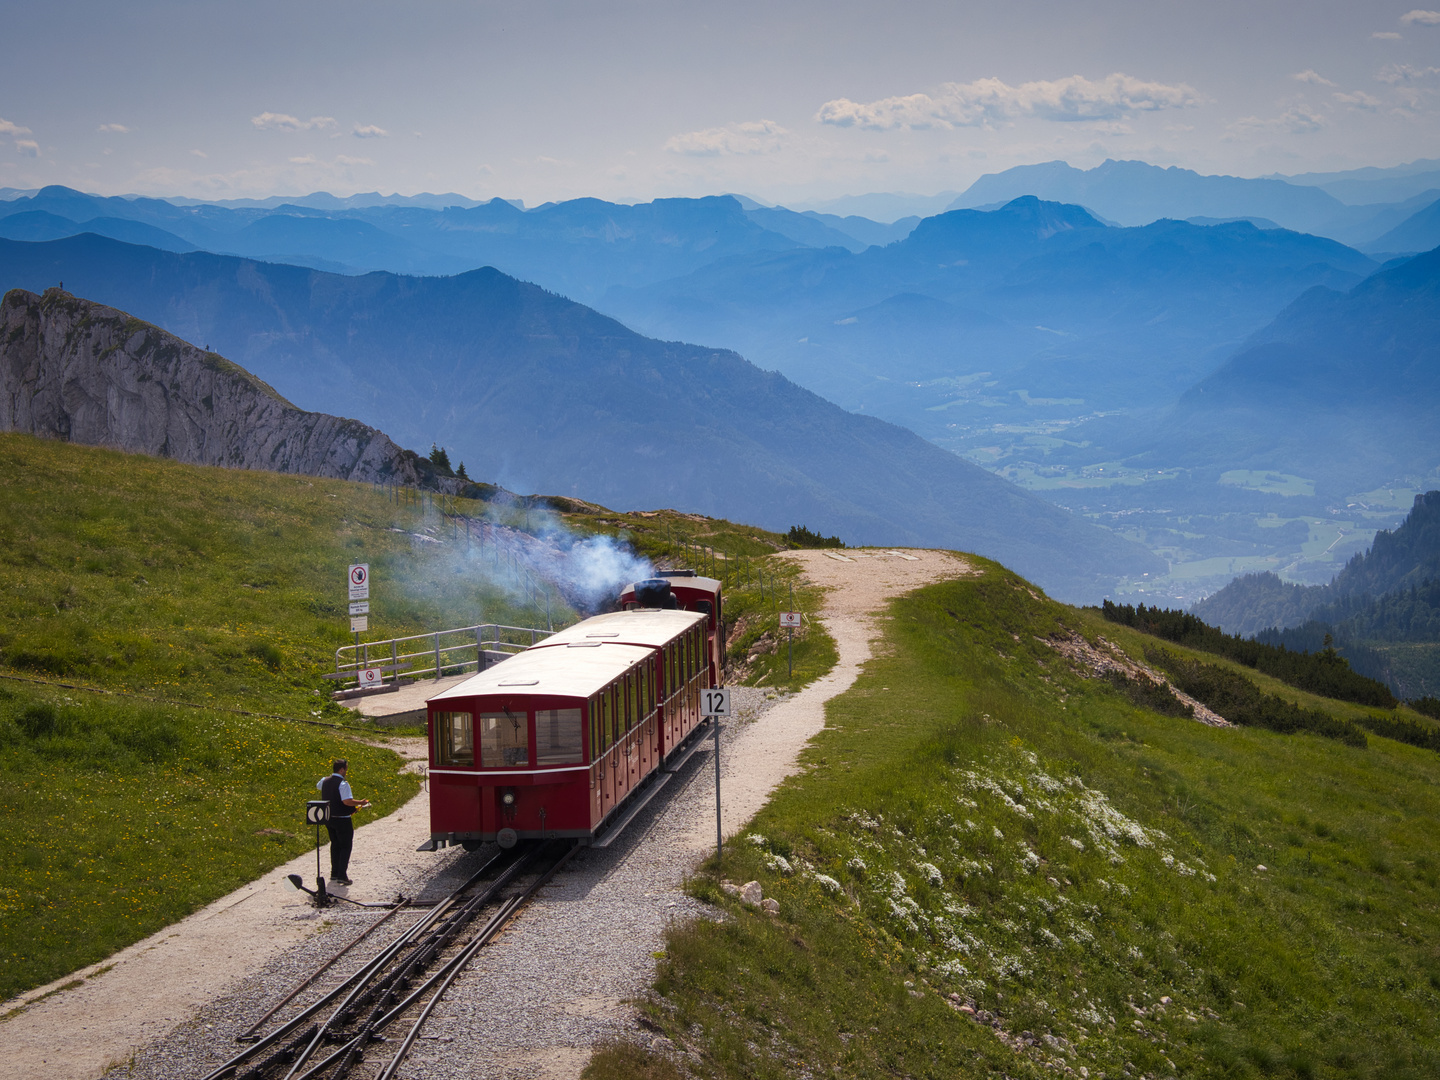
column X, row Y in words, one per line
column 444, row 652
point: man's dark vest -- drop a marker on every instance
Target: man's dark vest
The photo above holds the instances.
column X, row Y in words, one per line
column 330, row 792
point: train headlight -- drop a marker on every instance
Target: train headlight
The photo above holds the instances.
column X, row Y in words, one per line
column 508, row 798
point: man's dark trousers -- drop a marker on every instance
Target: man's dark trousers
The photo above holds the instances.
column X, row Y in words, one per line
column 342, row 839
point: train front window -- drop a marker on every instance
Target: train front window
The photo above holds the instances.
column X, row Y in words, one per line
column 559, row 736
column 455, row 738
column 504, row 739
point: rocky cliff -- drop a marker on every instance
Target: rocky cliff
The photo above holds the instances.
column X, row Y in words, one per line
column 76, row 370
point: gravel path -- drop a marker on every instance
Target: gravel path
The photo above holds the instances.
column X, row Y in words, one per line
column 534, row 1002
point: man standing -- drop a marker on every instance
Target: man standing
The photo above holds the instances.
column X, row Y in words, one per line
column 335, row 790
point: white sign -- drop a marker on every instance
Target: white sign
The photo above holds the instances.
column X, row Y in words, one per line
column 359, row 624
column 360, row 582
column 371, row 676
column 790, row 619
column 715, row 701
column 360, row 607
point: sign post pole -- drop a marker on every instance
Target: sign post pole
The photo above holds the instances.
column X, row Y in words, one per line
column 715, row 703
column 358, row 581
column 790, row 636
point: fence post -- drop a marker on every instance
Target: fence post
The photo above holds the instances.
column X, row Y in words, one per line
column 437, row 655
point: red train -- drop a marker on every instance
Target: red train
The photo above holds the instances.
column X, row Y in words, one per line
column 557, row 740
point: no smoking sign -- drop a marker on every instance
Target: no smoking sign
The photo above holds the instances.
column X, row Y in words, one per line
column 360, row 581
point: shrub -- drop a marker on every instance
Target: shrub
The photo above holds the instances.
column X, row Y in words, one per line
column 1242, row 702
column 39, row 720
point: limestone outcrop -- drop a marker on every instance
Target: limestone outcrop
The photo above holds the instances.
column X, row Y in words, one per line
column 79, row 371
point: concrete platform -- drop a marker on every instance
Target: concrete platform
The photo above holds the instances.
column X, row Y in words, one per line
column 407, row 705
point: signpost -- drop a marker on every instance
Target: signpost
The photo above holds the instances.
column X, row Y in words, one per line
column 789, row 620
column 715, row 703
column 358, row 581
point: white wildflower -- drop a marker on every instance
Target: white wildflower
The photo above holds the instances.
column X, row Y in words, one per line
column 1078, row 845
column 829, row 884
column 857, row 864
column 998, row 834
column 898, row 888
column 970, row 825
column 1050, row 939
column 931, row 873
column 757, row 840
column 780, row 863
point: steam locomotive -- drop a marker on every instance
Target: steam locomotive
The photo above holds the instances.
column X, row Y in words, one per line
column 572, row 736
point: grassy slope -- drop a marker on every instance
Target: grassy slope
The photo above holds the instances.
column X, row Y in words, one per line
column 1073, row 918
column 222, row 588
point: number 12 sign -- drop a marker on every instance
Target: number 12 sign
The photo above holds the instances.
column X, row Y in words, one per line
column 715, row 702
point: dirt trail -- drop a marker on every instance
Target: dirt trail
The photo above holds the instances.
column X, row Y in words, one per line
column 146, row 991
column 859, row 584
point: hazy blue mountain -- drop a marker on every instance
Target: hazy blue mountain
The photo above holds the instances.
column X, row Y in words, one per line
column 1342, row 388
column 39, row 225
column 870, row 233
column 1419, row 232
column 1136, row 193
column 1374, row 185
column 803, row 228
column 579, row 248
column 1098, row 317
column 543, row 394
column 1398, row 561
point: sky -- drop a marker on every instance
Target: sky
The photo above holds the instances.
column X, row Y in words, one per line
column 789, row 102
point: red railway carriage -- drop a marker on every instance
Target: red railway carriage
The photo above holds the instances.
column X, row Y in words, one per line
column 687, row 591
column 555, row 740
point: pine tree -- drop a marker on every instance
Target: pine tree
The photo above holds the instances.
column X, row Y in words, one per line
column 460, row 472
column 440, row 459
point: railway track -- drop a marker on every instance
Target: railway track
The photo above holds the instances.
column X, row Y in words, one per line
column 364, row 1027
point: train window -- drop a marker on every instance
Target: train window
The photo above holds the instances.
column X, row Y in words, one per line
column 632, row 700
column 595, row 729
column 559, row 738
column 504, row 739
column 455, row 738
column 607, row 717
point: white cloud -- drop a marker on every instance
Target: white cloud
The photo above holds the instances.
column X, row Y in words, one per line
column 988, row 101
column 1358, row 100
column 113, row 129
column 1386, row 35
column 1395, row 74
column 1296, row 120
column 27, row 147
column 750, row 137
column 269, row 121
column 199, row 153
column 369, row 131
column 342, row 159
column 1309, row 75
column 308, row 159
column 7, row 128
column 1423, row 18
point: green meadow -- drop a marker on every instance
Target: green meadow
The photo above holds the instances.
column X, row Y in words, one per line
column 994, row 866
column 146, row 607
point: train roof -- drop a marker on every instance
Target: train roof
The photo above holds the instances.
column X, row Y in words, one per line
column 639, row 626
column 578, row 669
